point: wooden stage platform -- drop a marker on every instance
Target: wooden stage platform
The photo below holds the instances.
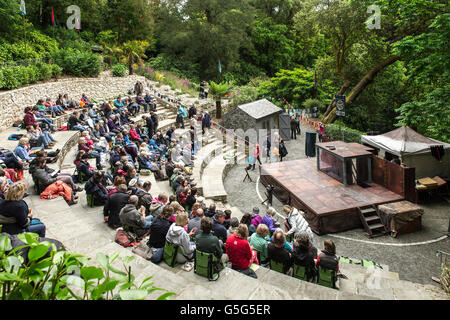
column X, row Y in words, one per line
column 329, row 205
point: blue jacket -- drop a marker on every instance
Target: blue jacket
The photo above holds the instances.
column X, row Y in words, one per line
column 22, row 153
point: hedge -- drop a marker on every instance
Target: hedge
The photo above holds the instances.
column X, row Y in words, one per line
column 119, row 70
column 16, row 76
column 78, row 63
column 340, row 132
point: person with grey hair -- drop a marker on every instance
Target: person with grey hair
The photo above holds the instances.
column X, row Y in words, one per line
column 195, row 222
column 304, row 256
column 269, row 220
column 133, row 219
column 234, row 223
column 276, row 250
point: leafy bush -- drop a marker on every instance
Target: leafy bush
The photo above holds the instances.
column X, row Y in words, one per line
column 56, row 70
column 119, row 70
column 311, row 103
column 52, row 274
column 10, row 80
column 338, row 131
column 45, row 71
column 78, row 63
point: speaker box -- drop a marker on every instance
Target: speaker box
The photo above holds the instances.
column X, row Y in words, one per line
column 310, row 144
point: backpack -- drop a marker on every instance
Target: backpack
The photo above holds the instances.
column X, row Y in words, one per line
column 125, row 239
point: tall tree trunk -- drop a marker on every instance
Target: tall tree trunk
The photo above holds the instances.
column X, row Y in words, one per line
column 219, row 109
column 130, row 65
column 360, row 86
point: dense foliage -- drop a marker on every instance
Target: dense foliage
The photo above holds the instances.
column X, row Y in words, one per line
column 389, row 73
column 52, row 274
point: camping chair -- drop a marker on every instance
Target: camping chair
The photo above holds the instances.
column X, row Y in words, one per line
column 264, row 263
column 277, row 266
column 204, row 265
column 170, row 254
column 300, row 272
column 90, row 200
column 327, row 277
column 37, row 186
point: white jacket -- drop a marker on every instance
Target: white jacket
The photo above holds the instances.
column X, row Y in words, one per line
column 299, row 224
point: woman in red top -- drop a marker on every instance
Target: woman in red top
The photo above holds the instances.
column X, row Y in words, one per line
column 239, row 251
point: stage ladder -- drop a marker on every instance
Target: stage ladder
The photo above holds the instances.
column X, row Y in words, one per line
column 371, row 221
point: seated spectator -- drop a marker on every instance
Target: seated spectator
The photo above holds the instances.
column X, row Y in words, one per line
column 195, row 222
column 178, row 235
column 23, row 150
column 303, row 256
column 206, row 242
column 269, row 220
column 239, row 253
column 87, row 102
column 256, row 218
column 15, row 216
column 37, row 140
column 95, row 187
column 247, row 220
column 84, row 166
column 118, row 180
column 327, row 257
column 218, row 229
column 211, row 210
column 114, row 204
column 74, row 123
column 36, row 133
column 158, row 203
column 277, row 252
column 46, row 176
column 234, row 224
column 83, row 145
column 259, row 242
column 295, row 223
column 158, row 232
column 133, row 219
column 226, row 222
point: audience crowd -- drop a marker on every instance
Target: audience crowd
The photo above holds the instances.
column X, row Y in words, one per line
column 125, row 152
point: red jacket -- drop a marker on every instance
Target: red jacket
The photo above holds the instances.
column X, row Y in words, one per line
column 29, row 119
column 134, row 135
column 239, row 252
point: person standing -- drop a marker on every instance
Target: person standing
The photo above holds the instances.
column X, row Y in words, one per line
column 293, row 128
column 321, row 128
column 282, row 148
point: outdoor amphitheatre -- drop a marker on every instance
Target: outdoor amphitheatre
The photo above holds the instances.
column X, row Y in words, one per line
column 256, row 162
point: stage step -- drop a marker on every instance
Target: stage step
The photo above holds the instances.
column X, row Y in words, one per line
column 371, row 221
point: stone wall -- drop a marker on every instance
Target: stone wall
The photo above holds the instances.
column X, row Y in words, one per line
column 13, row 102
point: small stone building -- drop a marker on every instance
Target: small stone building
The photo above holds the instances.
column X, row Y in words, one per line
column 257, row 115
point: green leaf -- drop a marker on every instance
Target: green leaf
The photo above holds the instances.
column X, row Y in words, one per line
column 102, row 259
column 29, row 238
column 89, row 273
column 12, row 264
column 26, row 290
column 5, row 243
column 7, row 276
column 37, row 252
column 134, row 294
column 75, row 281
column 166, row 295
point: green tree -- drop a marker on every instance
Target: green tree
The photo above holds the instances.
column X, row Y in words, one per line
column 204, row 32
column 218, row 91
column 295, row 86
column 428, row 62
column 133, row 53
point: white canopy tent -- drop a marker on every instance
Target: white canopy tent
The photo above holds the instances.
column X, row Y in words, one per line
column 414, row 151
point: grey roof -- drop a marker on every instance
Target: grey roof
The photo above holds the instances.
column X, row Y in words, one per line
column 260, row 108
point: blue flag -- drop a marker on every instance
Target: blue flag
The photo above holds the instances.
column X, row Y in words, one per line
column 23, row 10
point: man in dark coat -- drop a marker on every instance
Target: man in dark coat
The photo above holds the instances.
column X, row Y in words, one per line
column 114, row 204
